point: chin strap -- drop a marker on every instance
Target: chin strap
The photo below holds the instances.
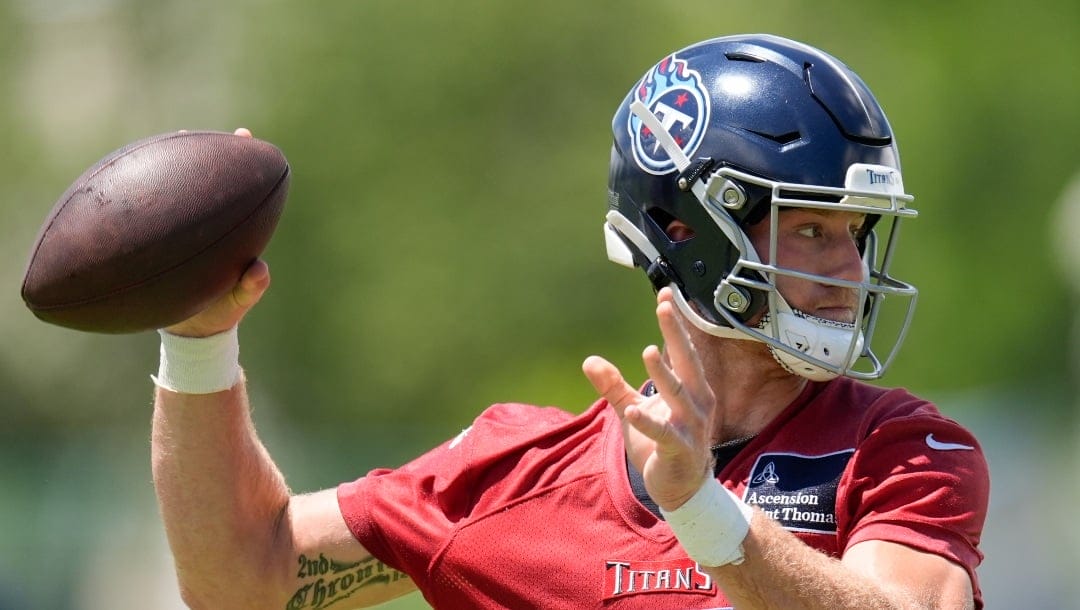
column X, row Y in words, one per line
column 835, row 344
column 832, row 343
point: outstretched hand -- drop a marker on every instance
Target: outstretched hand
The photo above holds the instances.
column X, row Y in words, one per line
column 667, row 435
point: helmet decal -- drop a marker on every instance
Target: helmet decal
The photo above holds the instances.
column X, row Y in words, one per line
column 676, row 95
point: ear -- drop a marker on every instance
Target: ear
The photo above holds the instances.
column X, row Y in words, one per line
column 678, row 230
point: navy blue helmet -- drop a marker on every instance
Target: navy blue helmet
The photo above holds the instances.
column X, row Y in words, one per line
column 726, row 133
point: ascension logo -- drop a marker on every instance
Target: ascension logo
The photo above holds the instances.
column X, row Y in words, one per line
column 675, row 94
column 798, row 490
column 767, row 476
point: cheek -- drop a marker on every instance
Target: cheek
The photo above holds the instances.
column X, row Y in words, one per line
column 789, row 256
column 789, row 253
column 792, row 289
column 759, row 239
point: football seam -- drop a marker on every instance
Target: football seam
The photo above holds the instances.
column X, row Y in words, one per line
column 150, row 278
column 59, row 211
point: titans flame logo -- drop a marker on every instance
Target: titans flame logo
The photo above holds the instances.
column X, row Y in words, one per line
column 675, row 94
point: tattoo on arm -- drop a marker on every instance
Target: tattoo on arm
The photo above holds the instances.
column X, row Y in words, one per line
column 335, row 581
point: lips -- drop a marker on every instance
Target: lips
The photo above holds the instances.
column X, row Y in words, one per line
column 838, row 306
column 845, row 314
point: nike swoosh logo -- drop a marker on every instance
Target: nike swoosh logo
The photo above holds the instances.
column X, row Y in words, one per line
column 940, row 446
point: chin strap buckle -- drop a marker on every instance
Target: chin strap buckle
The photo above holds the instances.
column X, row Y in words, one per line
column 693, row 172
column 661, row 274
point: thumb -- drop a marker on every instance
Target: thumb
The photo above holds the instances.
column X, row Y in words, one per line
column 610, row 384
column 230, row 308
column 253, row 283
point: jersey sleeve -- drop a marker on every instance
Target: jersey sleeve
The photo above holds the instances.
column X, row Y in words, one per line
column 405, row 516
column 921, row 481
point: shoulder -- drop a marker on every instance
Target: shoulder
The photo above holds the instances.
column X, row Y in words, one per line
column 877, row 399
column 505, row 426
column 915, row 476
column 515, row 414
column 509, row 451
column 883, row 428
column 870, row 407
column 905, row 442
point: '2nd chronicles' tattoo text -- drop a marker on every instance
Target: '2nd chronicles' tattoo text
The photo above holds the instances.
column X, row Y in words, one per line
column 334, row 581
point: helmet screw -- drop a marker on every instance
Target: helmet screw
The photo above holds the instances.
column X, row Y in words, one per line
column 734, row 300
column 731, row 298
column 732, row 196
column 683, row 184
column 698, row 268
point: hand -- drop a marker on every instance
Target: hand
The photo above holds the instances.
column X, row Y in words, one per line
column 667, row 435
column 228, row 310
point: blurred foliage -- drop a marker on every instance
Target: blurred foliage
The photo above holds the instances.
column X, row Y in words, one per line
column 449, row 167
column 442, row 247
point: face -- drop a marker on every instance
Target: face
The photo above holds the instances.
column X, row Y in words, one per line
column 821, row 242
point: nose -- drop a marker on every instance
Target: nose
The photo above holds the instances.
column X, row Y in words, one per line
column 845, row 262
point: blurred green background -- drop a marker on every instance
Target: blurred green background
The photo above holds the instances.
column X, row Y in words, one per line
column 442, row 249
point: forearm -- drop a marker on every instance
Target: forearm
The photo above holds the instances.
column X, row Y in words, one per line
column 780, row 571
column 220, row 496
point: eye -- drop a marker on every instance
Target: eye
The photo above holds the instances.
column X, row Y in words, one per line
column 812, row 230
column 858, row 225
column 857, row 230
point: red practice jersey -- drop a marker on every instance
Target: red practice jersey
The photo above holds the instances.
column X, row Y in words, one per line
column 532, row 507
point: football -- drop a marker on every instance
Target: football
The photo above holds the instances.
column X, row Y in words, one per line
column 156, row 231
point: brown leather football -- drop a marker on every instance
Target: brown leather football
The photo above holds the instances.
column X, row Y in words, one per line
column 156, row 231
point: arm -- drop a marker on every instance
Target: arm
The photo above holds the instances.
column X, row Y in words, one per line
column 780, row 571
column 667, row 440
column 239, row 538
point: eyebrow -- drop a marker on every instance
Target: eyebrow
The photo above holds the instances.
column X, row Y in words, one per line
column 860, row 220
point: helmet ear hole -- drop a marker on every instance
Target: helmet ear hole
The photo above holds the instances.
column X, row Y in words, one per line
column 678, row 231
column 675, row 229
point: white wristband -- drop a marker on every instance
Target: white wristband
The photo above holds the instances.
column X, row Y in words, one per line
column 712, row 525
column 204, row 365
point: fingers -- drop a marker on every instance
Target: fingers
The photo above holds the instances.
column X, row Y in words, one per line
column 682, row 410
column 243, row 132
column 650, row 416
column 663, row 376
column 680, row 349
column 609, row 383
column 679, row 375
column 227, row 311
column 655, row 424
column 666, row 434
column 627, row 403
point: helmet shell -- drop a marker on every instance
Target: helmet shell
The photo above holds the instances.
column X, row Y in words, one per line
column 761, row 104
